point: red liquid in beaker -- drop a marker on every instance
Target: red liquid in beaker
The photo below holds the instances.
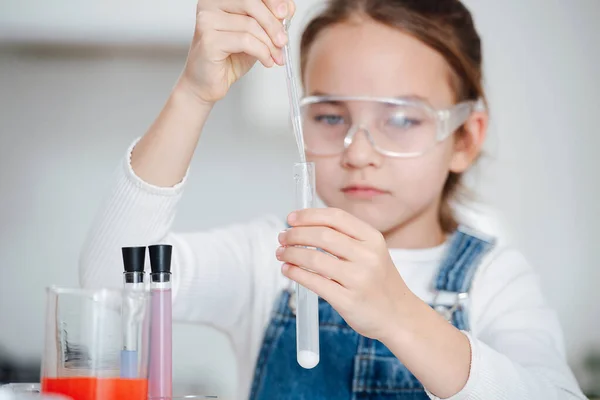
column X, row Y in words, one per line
column 82, row 388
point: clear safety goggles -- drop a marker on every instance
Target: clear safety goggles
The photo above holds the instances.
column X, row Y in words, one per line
column 395, row 127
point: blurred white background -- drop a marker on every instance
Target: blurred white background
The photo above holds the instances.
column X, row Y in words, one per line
column 79, row 80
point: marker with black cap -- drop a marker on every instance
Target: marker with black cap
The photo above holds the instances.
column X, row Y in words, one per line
column 161, row 346
column 133, row 279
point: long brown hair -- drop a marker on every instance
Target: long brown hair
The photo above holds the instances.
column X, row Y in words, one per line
column 444, row 25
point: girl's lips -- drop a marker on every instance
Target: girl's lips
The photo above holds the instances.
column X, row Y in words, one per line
column 362, row 192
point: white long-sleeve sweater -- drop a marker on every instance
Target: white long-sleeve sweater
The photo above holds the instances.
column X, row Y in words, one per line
column 229, row 278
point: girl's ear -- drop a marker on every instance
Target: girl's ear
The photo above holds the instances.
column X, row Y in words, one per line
column 469, row 141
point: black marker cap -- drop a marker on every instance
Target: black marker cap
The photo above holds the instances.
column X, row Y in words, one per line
column 134, row 258
column 160, row 258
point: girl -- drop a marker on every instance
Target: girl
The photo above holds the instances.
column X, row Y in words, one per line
column 392, row 120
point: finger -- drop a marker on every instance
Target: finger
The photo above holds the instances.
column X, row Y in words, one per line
column 243, row 42
column 242, row 23
column 315, row 261
column 327, row 289
column 292, row 8
column 336, row 219
column 281, row 8
column 328, row 239
column 261, row 13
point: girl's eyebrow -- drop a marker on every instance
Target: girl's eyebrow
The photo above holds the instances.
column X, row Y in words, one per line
column 318, row 93
column 410, row 96
column 323, row 94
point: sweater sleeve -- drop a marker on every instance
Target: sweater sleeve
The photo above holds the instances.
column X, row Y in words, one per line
column 213, row 271
column 516, row 340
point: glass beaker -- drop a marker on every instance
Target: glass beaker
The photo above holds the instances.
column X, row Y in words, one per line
column 97, row 343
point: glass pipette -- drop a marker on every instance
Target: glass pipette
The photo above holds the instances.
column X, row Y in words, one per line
column 294, row 102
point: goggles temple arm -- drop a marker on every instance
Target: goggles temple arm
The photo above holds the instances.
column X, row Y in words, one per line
column 453, row 118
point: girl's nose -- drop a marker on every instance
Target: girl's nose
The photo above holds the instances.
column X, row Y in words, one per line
column 360, row 152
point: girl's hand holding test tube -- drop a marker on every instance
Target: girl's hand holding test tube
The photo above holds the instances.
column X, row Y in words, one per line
column 358, row 278
column 360, row 281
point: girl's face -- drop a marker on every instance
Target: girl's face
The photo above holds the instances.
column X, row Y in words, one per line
column 365, row 58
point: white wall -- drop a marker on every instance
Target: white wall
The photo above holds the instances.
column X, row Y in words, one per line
column 65, row 121
column 65, row 124
column 541, row 59
column 85, row 21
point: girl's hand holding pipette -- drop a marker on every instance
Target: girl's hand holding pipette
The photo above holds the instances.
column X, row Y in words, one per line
column 230, row 36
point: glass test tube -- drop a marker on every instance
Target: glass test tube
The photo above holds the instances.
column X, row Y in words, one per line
column 307, row 302
column 131, row 308
column 133, row 280
column 161, row 346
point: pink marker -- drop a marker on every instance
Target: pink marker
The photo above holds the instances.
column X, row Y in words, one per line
column 161, row 346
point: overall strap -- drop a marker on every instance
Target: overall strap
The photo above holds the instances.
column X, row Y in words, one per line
column 464, row 254
column 455, row 275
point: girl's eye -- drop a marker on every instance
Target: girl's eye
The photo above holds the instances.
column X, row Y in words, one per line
column 402, row 121
column 329, row 119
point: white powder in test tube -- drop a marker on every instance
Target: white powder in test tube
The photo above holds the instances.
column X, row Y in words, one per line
column 308, row 359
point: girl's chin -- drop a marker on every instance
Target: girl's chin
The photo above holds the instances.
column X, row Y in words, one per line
column 379, row 217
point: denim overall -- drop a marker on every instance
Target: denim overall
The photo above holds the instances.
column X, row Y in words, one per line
column 353, row 367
